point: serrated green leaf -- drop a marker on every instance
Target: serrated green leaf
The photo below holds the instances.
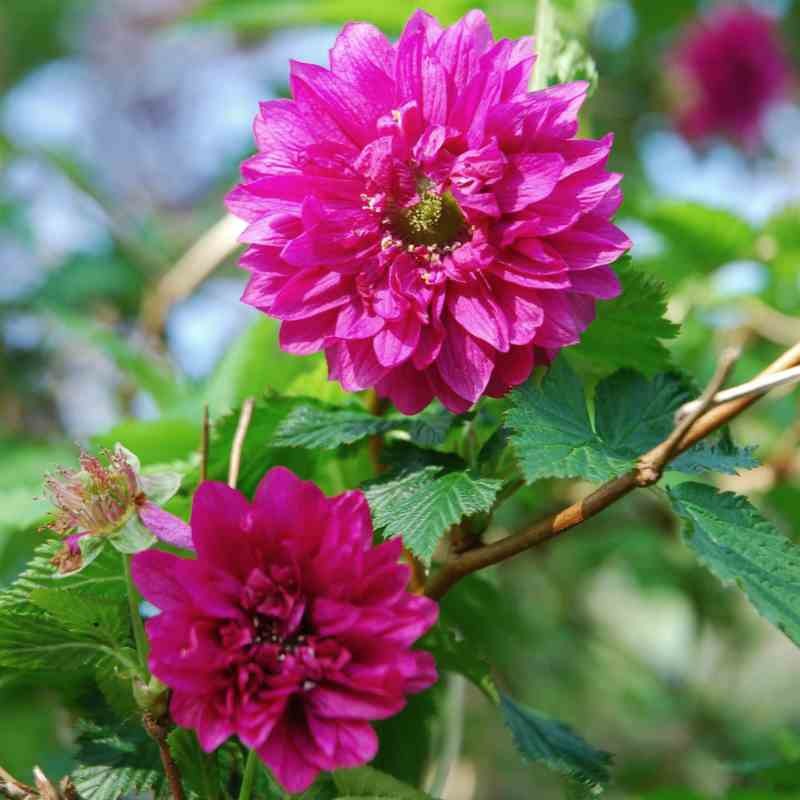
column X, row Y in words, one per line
column 93, row 617
column 554, row 437
column 553, row 434
column 199, row 771
column 117, row 763
column 369, row 783
column 36, row 641
column 72, row 623
column 551, row 743
column 421, row 506
column 105, row 577
column 114, row 682
column 628, row 330
column 733, row 539
column 315, row 425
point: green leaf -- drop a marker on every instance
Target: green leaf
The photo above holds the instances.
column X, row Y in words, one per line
column 740, row 546
column 85, row 281
column 117, row 763
column 36, row 641
column 628, row 330
column 554, row 436
column 406, row 739
column 254, row 364
column 316, row 425
column 313, row 382
column 67, row 624
column 420, row 506
column 92, row 617
column 697, row 239
column 370, row 784
column 198, row 770
column 549, row 742
column 105, row 577
column 455, row 654
column 258, row 452
column 158, row 441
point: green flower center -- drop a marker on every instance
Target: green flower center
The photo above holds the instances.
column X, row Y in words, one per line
column 435, row 221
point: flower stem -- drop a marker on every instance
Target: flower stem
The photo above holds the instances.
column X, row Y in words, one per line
column 136, row 618
column 453, row 734
column 249, row 779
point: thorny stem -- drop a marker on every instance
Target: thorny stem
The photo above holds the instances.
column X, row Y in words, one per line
column 158, row 732
column 249, row 779
column 647, row 471
column 136, row 618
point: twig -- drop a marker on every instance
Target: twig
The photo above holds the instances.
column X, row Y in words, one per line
column 191, row 269
column 649, row 471
column 205, row 439
column 238, row 441
column 12, row 789
column 757, row 386
column 714, row 418
column 158, row 732
column 770, row 324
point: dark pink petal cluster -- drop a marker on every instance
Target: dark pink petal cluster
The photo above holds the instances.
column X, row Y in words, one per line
column 290, row 629
column 725, row 72
column 419, row 215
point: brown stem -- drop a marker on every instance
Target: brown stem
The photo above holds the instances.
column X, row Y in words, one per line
column 205, row 439
column 158, row 731
column 648, row 471
column 238, row 441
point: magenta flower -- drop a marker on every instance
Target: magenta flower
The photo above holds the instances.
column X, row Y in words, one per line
column 726, row 71
column 290, row 629
column 421, row 217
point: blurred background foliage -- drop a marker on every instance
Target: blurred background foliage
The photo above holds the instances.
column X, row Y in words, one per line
column 122, row 123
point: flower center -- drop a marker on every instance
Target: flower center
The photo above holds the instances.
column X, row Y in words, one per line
column 435, row 221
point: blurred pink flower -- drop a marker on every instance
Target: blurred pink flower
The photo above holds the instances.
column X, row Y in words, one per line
column 421, row 217
column 289, row 629
column 725, row 71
